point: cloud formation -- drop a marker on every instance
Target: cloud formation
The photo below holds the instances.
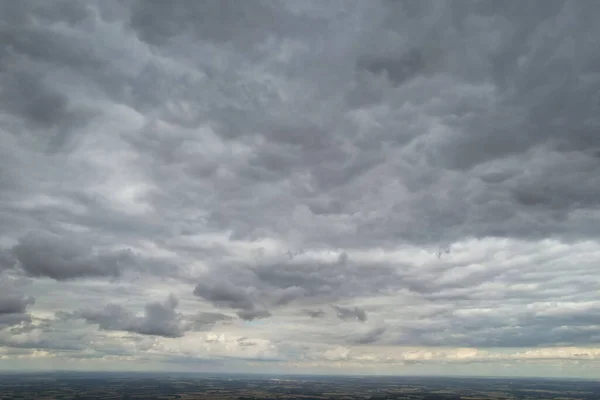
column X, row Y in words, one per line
column 357, row 185
column 159, row 319
column 13, row 303
column 351, row 313
column 48, row 255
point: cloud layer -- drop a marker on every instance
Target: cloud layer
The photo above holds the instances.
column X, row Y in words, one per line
column 310, row 186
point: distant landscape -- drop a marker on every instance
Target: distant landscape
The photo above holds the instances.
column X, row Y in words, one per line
column 193, row 386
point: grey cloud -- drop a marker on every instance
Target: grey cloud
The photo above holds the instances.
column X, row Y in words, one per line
column 324, row 280
column 59, row 336
column 225, row 295
column 294, row 281
column 397, row 69
column 350, row 313
column 343, row 258
column 289, row 295
column 7, row 260
column 29, row 90
column 206, row 320
column 49, row 339
column 159, row 319
column 35, row 102
column 371, row 336
column 489, row 106
column 244, row 342
column 48, row 255
column 12, row 319
column 250, row 315
column 157, row 23
column 325, row 207
column 503, row 329
column 461, row 303
column 112, row 317
column 315, row 313
column 492, row 310
column 14, row 303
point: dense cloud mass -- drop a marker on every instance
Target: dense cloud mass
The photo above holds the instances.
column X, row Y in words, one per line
column 57, row 258
column 13, row 306
column 13, row 303
column 312, row 186
column 159, row 319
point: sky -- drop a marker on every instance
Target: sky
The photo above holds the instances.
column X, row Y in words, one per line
column 337, row 187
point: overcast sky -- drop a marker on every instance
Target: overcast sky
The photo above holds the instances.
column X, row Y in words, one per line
column 341, row 186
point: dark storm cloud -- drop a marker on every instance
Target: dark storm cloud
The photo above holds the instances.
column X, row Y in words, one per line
column 159, row 319
column 48, row 255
